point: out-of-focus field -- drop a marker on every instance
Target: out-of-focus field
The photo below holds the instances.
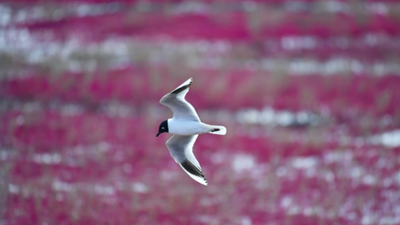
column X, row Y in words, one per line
column 309, row 92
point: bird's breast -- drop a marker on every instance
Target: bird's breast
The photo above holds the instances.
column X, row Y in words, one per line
column 186, row 127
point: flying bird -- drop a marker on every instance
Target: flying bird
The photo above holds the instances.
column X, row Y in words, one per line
column 185, row 125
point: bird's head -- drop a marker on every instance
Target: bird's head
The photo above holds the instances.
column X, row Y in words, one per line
column 163, row 127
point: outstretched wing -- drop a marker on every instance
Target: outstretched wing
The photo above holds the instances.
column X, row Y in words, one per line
column 181, row 149
column 175, row 100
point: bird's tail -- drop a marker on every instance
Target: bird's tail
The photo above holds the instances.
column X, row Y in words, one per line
column 219, row 130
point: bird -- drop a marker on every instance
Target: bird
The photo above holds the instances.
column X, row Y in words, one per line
column 185, row 125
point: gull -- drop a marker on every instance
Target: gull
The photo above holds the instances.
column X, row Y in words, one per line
column 185, row 125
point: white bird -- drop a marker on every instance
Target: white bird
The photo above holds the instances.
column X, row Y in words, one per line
column 186, row 126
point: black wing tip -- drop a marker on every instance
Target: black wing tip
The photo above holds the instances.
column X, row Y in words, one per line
column 192, row 169
column 178, row 90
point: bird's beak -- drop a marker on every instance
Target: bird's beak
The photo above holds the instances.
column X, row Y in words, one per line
column 158, row 134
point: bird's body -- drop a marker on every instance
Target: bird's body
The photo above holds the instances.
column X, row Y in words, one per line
column 183, row 127
column 186, row 126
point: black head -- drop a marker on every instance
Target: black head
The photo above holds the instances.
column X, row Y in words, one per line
column 163, row 127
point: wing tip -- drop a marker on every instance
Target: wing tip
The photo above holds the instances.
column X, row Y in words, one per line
column 205, row 183
column 183, row 86
column 194, row 172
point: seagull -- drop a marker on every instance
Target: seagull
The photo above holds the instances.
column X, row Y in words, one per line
column 185, row 125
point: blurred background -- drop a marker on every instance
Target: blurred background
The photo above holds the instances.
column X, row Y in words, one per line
column 309, row 92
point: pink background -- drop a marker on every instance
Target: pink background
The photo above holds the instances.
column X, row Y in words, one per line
column 309, row 92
